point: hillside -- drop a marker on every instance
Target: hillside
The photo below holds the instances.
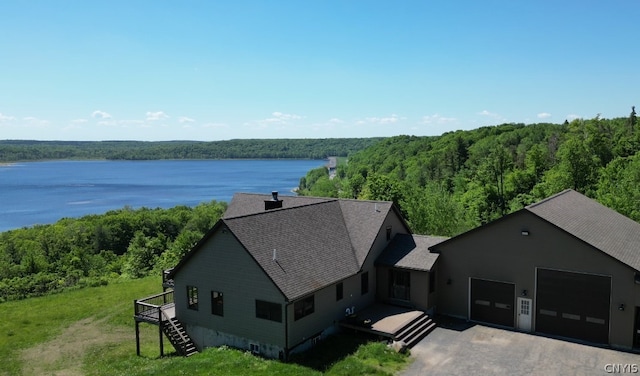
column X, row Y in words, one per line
column 451, row 183
column 21, row 150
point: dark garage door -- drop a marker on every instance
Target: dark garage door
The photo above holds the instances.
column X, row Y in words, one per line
column 574, row 305
column 492, row 302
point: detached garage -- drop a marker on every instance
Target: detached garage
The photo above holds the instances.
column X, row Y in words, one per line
column 566, row 267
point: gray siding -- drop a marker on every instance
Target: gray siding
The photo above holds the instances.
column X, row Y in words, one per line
column 328, row 311
column 500, row 252
column 222, row 264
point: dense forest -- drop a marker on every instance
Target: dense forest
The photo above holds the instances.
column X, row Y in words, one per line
column 444, row 185
column 448, row 184
column 19, row 150
column 96, row 249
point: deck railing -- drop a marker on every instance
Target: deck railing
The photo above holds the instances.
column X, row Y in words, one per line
column 150, row 308
column 166, row 281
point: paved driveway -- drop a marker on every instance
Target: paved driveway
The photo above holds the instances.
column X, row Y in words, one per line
column 480, row 350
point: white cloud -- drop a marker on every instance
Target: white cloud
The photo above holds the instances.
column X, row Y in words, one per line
column 382, row 120
column 336, row 121
column 437, row 119
column 35, row 122
column 6, row 117
column 215, row 125
column 572, row 117
column 544, row 115
column 489, row 114
column 97, row 114
column 158, row 115
column 79, row 121
column 184, row 119
column 279, row 118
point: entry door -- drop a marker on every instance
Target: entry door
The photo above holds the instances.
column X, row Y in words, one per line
column 524, row 314
column 399, row 284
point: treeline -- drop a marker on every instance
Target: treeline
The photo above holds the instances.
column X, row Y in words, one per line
column 19, row 150
column 448, row 184
column 96, row 249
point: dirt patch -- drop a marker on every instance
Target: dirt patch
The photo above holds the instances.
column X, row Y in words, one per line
column 64, row 354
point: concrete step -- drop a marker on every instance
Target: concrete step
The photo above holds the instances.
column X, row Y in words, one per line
column 415, row 331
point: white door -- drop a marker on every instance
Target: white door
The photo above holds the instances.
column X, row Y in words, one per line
column 524, row 314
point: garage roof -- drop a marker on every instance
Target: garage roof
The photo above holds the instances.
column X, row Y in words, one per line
column 593, row 223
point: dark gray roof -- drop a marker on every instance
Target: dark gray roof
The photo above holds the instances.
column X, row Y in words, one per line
column 250, row 203
column 409, row 251
column 593, row 223
column 308, row 244
column 311, row 243
column 363, row 220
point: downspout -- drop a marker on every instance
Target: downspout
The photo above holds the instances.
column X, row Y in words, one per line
column 286, row 331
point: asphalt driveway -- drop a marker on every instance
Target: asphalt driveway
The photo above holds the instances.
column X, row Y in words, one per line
column 462, row 349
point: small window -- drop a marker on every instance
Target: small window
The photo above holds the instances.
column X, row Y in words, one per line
column 388, row 233
column 192, row 297
column 254, row 348
column 303, row 307
column 339, row 291
column 364, row 283
column 432, row 281
column 268, row 311
column 217, row 303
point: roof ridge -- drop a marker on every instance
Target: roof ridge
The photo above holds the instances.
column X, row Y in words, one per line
column 549, row 198
column 346, row 227
column 276, row 210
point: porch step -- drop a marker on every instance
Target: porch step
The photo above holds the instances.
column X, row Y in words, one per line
column 174, row 330
column 416, row 330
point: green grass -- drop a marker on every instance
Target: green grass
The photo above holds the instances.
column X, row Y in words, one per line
column 91, row 331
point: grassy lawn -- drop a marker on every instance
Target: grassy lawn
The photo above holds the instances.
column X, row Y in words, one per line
column 91, row 332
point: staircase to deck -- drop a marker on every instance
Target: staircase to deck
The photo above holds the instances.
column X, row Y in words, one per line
column 415, row 330
column 174, row 330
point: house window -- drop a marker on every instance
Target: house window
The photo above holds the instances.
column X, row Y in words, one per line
column 303, row 307
column 192, row 297
column 339, row 291
column 217, row 303
column 364, row 283
column 388, row 233
column 432, row 281
column 268, row 311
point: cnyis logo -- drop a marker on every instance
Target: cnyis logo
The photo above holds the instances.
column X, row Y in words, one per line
column 621, row 368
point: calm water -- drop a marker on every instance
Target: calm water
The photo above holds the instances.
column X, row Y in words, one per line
column 43, row 192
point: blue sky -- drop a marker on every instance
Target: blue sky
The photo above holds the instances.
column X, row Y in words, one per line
column 215, row 70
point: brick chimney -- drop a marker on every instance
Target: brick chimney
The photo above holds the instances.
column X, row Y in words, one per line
column 274, row 203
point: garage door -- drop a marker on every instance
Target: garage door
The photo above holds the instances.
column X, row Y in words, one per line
column 492, row 302
column 574, row 305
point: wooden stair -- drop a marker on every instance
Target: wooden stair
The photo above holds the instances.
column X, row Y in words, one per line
column 174, row 330
column 415, row 330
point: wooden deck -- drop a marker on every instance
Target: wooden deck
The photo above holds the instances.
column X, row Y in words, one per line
column 155, row 308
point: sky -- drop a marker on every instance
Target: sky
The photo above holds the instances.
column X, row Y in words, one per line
column 218, row 70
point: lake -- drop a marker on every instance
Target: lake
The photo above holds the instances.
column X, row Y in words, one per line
column 44, row 192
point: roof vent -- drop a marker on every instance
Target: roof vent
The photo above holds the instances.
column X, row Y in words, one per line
column 274, row 203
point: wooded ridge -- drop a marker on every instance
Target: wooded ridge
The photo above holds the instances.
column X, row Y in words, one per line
column 451, row 183
column 319, row 148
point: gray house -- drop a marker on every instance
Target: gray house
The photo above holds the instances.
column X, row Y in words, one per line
column 275, row 275
column 566, row 266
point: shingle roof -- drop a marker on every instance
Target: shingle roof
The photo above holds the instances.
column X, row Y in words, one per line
column 250, row 203
column 311, row 245
column 593, row 223
column 410, row 252
column 317, row 241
